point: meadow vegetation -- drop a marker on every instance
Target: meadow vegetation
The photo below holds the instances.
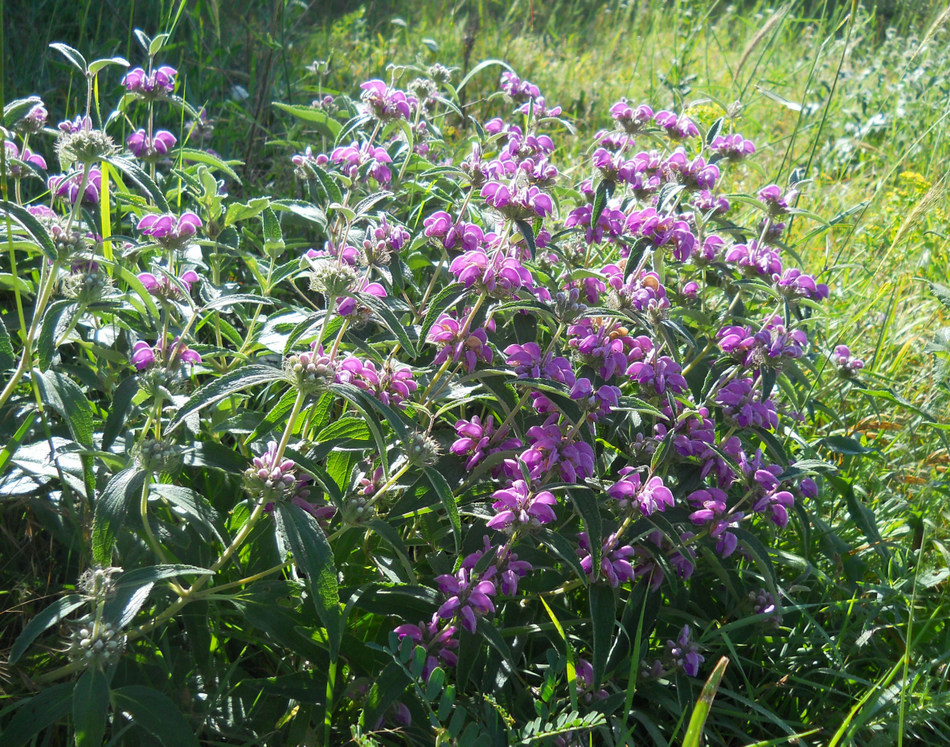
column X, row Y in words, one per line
column 381, row 399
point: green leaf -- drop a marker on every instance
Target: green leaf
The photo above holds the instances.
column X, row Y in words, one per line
column 323, row 122
column 273, row 235
column 141, row 179
column 157, row 44
column 301, row 209
column 485, row 64
column 50, row 616
column 238, row 211
column 75, row 59
column 197, row 510
column 110, row 510
column 231, row 383
column 154, row 573
column 96, row 65
column 447, row 297
column 388, row 318
column 444, row 491
column 122, row 398
column 602, row 614
column 528, row 233
column 564, row 549
column 314, row 557
column 17, row 109
column 7, row 357
column 64, row 396
column 52, row 327
column 697, row 722
column 156, row 713
column 90, row 707
column 604, row 192
column 586, row 504
column 388, row 686
column 208, row 159
column 32, row 226
column 35, row 714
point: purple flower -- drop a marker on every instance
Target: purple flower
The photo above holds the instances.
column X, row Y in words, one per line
column 439, row 642
column 350, row 307
column 352, row 158
column 169, row 230
column 27, row 157
column 384, row 103
column 67, row 187
column 391, row 385
column 848, row 366
column 685, row 653
column 471, row 346
column 648, row 497
column 473, row 439
column 519, row 90
column 793, row 283
column 754, row 259
column 163, row 287
column 145, row 356
column 159, row 83
column 741, row 403
column 598, row 403
column 658, row 374
column 550, row 449
column 500, row 275
column 468, row 599
column 678, row 128
column 149, row 149
column 614, row 563
column 518, row 506
column 631, row 119
column 733, row 147
column 776, row 202
column 34, row 120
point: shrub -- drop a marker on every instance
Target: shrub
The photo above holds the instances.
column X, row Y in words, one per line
column 456, row 443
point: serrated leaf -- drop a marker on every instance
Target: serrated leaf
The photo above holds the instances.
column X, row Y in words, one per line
column 52, row 327
column 156, row 713
column 63, row 395
column 90, row 707
column 273, row 234
column 19, row 108
column 604, row 191
column 7, row 357
column 36, row 230
column 314, row 557
column 230, row 383
column 48, row 617
column 110, row 510
column 35, row 714
column 121, row 404
column 141, row 179
column 194, row 507
column 388, row 319
column 714, row 129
